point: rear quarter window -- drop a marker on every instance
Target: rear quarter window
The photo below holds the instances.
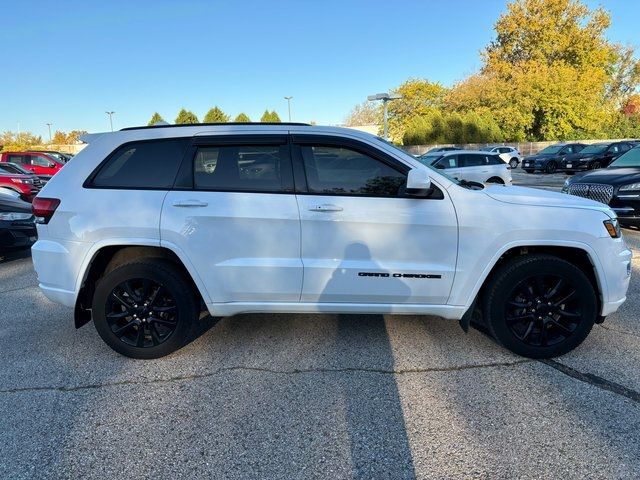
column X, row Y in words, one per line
column 145, row 164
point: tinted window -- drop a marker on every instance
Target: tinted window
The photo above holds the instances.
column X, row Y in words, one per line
column 494, row 160
column 614, row 148
column 469, row 160
column 253, row 168
column 16, row 159
column 450, row 161
column 151, row 164
column 40, row 161
column 342, row 170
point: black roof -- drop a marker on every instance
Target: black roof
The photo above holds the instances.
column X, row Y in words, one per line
column 298, row 124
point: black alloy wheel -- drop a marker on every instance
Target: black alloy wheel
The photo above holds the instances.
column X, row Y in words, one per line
column 141, row 312
column 146, row 308
column 543, row 310
column 551, row 167
column 539, row 305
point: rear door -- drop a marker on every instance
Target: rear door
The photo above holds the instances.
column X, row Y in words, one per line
column 476, row 168
column 233, row 214
column 363, row 240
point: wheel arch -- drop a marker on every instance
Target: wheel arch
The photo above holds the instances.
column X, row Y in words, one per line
column 577, row 254
column 106, row 257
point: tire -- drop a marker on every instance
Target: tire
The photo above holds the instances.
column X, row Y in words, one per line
column 542, row 332
column 513, row 163
column 495, row 180
column 166, row 322
column 551, row 167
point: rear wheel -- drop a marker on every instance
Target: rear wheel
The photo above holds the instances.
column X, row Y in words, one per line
column 513, row 163
column 551, row 167
column 540, row 306
column 144, row 309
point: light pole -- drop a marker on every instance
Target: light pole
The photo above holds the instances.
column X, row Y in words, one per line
column 110, row 119
column 288, row 99
column 49, row 125
column 386, row 98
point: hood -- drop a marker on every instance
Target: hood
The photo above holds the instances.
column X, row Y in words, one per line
column 543, row 198
column 610, row 176
column 540, row 156
column 578, row 156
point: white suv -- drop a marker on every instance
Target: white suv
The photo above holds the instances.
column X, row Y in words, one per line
column 470, row 165
column 510, row 155
column 147, row 225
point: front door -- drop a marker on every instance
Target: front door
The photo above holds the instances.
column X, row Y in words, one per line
column 363, row 239
column 236, row 218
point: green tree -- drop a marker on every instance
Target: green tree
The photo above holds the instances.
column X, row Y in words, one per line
column 215, row 115
column 550, row 73
column 242, row 118
column 155, row 118
column 270, row 117
column 186, row 117
column 418, row 97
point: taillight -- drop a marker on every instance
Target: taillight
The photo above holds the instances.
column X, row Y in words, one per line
column 44, row 208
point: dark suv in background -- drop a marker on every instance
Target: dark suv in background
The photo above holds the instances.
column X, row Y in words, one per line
column 618, row 186
column 548, row 159
column 596, row 155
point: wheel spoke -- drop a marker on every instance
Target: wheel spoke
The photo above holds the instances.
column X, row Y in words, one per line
column 145, row 288
column 121, row 300
column 119, row 315
column 518, row 304
column 519, row 318
column 564, row 313
column 528, row 331
column 554, row 290
column 154, row 335
column 140, row 338
column 543, row 335
column 162, row 321
column 561, row 327
column 154, row 296
column 129, row 291
column 122, row 330
column 540, row 285
column 167, row 309
column 565, row 299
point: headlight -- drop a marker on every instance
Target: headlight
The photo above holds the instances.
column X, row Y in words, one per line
column 631, row 186
column 565, row 187
column 20, row 180
column 583, row 160
column 613, row 228
column 12, row 216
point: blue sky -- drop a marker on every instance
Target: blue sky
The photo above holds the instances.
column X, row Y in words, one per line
column 67, row 62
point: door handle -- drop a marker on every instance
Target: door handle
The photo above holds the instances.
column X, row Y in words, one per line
column 190, row 203
column 325, row 208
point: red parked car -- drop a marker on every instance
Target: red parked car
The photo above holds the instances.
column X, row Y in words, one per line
column 22, row 184
column 40, row 163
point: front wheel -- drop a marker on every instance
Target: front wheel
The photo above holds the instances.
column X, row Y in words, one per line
column 539, row 306
column 144, row 309
column 551, row 167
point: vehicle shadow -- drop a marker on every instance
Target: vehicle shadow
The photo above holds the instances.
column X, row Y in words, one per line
column 11, row 255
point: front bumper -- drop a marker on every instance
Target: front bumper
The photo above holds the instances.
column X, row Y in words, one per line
column 574, row 167
column 627, row 208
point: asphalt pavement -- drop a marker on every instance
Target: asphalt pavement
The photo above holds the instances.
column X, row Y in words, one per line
column 313, row 396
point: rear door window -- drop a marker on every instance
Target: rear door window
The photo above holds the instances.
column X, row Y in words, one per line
column 19, row 159
column 257, row 168
column 146, row 164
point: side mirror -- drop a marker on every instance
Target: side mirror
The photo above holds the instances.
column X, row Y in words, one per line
column 418, row 182
column 51, row 164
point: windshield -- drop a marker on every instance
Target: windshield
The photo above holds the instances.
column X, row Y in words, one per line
column 629, row 159
column 551, row 149
column 596, row 148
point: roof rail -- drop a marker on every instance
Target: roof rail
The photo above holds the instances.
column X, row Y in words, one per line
column 298, row 124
